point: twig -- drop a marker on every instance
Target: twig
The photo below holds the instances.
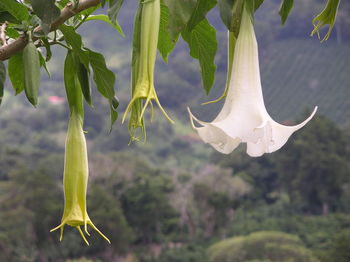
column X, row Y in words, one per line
column 3, row 34
column 66, row 13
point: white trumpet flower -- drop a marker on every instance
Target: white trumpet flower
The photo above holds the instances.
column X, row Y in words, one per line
column 243, row 118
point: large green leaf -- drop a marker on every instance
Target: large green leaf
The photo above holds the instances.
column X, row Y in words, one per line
column 186, row 14
column 231, row 12
column 106, row 19
column 165, row 44
column 2, row 79
column 83, row 74
column 74, row 40
column 7, row 17
column 201, row 9
column 19, row 11
column 180, row 13
column 103, row 77
column 105, row 80
column 285, row 8
column 113, row 10
column 16, row 72
column 203, row 46
column 47, row 11
column 71, row 83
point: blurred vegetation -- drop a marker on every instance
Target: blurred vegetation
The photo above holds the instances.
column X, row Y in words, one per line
column 173, row 199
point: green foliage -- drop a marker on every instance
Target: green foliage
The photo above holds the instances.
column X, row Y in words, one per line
column 321, row 147
column 16, row 72
column 165, row 43
column 203, row 45
column 107, row 20
column 108, row 215
column 270, row 246
column 146, row 206
column 72, row 85
column 340, row 250
column 113, row 10
column 19, row 11
column 286, row 7
column 189, row 253
column 47, row 11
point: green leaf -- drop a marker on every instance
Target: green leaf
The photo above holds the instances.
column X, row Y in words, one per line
column 16, row 72
column 47, row 48
column 2, row 79
column 74, row 40
column 103, row 77
column 113, row 105
column 71, row 83
column 113, row 10
column 83, row 77
column 43, row 64
column 180, row 13
column 203, row 46
column 7, row 17
column 19, row 11
column 106, row 19
column 47, row 11
column 165, row 45
column 257, row 4
column 12, row 33
column 231, row 13
column 201, row 9
column 285, row 8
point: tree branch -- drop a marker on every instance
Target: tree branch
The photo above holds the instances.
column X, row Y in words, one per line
column 67, row 12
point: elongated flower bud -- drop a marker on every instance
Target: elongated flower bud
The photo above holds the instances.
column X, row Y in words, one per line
column 145, row 44
column 75, row 180
column 326, row 17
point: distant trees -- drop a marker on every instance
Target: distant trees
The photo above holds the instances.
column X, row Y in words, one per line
column 314, row 167
column 261, row 247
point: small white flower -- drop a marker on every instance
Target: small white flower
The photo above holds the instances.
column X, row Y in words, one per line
column 243, row 118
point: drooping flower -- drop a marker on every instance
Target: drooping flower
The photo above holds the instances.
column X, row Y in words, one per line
column 75, row 179
column 145, row 42
column 326, row 17
column 243, row 118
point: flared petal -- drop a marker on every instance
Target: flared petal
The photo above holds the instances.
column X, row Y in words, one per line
column 273, row 136
column 214, row 136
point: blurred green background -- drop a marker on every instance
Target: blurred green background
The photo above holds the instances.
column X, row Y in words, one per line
column 173, row 199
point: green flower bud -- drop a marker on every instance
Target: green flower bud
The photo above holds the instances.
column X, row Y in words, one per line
column 144, row 57
column 327, row 16
column 75, row 180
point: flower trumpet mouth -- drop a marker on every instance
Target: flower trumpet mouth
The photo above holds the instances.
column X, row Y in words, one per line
column 244, row 118
column 75, row 179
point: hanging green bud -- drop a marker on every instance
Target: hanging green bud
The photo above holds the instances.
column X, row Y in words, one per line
column 145, row 44
column 76, row 170
column 326, row 17
column 75, row 180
